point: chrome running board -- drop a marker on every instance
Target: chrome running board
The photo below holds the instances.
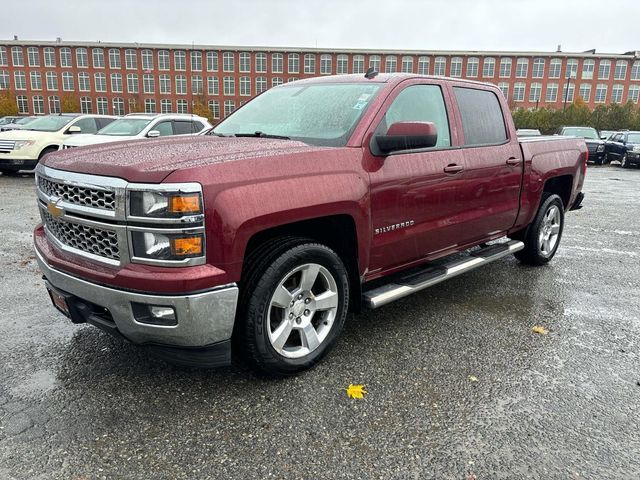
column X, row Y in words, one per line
column 431, row 274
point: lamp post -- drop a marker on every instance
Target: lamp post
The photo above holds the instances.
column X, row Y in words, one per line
column 570, row 75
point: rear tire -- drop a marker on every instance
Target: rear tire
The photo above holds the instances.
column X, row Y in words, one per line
column 542, row 238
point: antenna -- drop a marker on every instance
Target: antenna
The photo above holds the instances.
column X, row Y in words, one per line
column 371, row 73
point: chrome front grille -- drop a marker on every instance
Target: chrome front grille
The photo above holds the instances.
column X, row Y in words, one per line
column 93, row 240
column 76, row 195
column 7, row 145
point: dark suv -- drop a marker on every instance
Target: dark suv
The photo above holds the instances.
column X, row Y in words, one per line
column 591, row 138
column 625, row 147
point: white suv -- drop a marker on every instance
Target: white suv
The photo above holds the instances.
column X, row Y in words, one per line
column 22, row 149
column 139, row 125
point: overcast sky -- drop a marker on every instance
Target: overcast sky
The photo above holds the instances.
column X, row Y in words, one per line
column 578, row 25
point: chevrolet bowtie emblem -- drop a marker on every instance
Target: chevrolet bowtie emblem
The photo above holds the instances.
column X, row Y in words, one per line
column 53, row 208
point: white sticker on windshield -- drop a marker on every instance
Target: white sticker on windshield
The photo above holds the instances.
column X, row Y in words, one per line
column 360, row 104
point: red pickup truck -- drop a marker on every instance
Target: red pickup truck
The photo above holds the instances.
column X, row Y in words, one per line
column 316, row 197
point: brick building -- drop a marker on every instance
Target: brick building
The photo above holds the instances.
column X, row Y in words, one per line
column 117, row 78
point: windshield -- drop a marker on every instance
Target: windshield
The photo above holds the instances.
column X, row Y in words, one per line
column 633, row 138
column 125, row 127
column 318, row 114
column 25, row 120
column 51, row 123
column 581, row 132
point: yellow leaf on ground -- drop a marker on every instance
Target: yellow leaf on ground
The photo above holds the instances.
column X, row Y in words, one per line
column 472, row 378
column 540, row 329
column 356, row 391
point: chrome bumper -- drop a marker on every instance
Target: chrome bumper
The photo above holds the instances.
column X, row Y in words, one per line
column 202, row 318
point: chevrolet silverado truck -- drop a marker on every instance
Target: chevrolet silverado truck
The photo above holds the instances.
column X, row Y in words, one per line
column 316, row 197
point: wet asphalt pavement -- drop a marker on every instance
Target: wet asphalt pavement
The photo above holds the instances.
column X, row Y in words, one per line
column 77, row 404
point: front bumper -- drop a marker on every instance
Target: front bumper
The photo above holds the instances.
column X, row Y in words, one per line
column 203, row 318
column 16, row 161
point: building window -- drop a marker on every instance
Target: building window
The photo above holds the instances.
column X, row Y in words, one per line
column 634, row 91
column 52, row 81
column 65, row 57
column 407, row 64
column 585, row 91
column 572, row 68
column 180, row 60
column 84, row 84
column 472, row 67
column 101, row 82
column 601, row 93
column 567, row 92
column 164, row 81
column 621, row 70
column 617, row 93
column 114, row 58
column 261, row 66
column 261, row 85
column 4, row 80
column 49, row 57
column 293, row 63
column 212, row 61
column 147, row 59
column 130, row 59
column 519, row 92
column 555, row 66
column 276, row 63
column 23, row 105
column 309, row 63
column 182, row 106
column 374, row 62
column 635, row 70
column 289, row 80
column 603, row 71
column 504, row 88
column 98, row 57
column 213, row 86
column 358, row 64
column 505, row 67
column 244, row 62
column 342, row 64
column 440, row 66
column 3, row 57
column 197, row 85
column 587, row 69
column 17, row 58
column 116, row 82
column 275, row 81
column 245, row 86
column 67, row 82
column 36, row 81
column 228, row 62
column 132, row 83
column 456, row 67
column 20, row 80
column 229, row 86
column 181, row 85
column 102, row 106
column 33, row 55
column 538, row 68
column 82, row 59
column 229, row 107
column 54, row 104
column 149, row 105
column 163, row 60
column 196, row 61
column 423, row 65
column 118, row 106
column 214, row 108
column 38, row 104
column 390, row 64
column 489, row 67
column 325, row 64
column 535, row 92
column 165, row 106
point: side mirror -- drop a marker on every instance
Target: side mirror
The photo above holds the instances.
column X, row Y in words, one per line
column 407, row 136
column 74, row 129
column 153, row 133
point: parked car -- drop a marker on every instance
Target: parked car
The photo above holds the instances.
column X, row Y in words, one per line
column 624, row 147
column 591, row 138
column 137, row 125
column 313, row 198
column 17, row 125
column 22, row 149
column 528, row 132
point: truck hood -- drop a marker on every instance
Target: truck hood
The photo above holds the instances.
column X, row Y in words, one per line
column 151, row 161
column 82, row 139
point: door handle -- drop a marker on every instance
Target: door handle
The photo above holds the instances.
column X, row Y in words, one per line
column 513, row 161
column 453, row 168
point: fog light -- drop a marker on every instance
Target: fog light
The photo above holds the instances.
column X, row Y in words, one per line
column 154, row 314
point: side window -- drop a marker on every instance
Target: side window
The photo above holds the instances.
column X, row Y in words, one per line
column 103, row 122
column 87, row 125
column 482, row 119
column 182, row 127
column 196, row 126
column 165, row 128
column 617, row 138
column 419, row 103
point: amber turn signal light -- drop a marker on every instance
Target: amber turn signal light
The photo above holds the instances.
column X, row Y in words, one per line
column 185, row 204
column 186, row 246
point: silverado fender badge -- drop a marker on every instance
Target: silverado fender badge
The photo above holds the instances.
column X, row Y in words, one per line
column 53, row 208
column 397, row 226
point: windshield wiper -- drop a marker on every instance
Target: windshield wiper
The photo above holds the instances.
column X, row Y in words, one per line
column 262, row 135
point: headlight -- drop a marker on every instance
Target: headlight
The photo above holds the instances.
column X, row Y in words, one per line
column 600, row 148
column 23, row 143
column 167, row 246
column 159, row 204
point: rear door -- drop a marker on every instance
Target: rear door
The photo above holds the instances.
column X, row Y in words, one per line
column 616, row 146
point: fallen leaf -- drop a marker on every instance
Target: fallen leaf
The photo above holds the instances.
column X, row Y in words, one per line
column 356, row 391
column 472, row 378
column 540, row 329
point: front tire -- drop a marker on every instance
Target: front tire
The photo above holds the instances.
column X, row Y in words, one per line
column 624, row 162
column 294, row 308
column 542, row 238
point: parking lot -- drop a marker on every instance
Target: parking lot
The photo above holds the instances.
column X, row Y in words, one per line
column 459, row 387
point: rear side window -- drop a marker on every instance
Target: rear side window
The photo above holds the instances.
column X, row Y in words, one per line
column 103, row 122
column 482, row 120
column 182, row 127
